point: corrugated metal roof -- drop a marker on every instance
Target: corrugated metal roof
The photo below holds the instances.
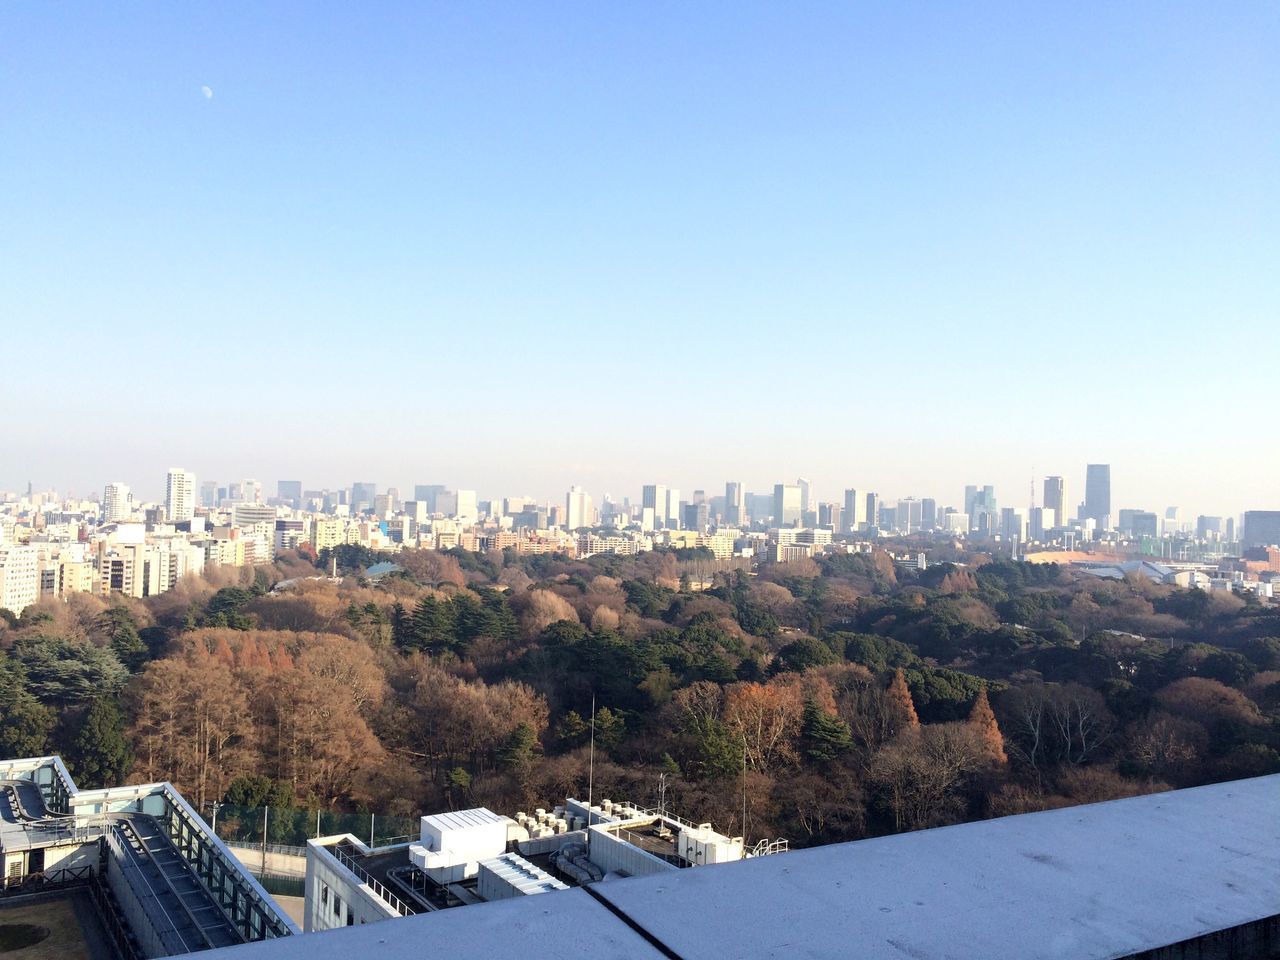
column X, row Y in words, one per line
column 458, row 819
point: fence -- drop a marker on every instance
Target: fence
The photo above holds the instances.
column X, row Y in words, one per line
column 293, row 828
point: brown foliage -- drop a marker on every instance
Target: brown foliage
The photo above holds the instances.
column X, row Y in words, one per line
column 983, row 720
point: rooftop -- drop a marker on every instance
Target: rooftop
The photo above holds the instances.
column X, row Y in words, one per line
column 1095, row 882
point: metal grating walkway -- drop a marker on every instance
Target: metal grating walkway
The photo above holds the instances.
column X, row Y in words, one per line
column 185, row 915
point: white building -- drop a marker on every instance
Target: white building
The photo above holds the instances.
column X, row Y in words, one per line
column 19, row 578
column 180, row 495
column 117, row 502
column 578, row 508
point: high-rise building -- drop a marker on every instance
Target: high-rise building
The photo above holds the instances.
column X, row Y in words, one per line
column 970, row 492
column 209, row 494
column 830, row 515
column 929, row 514
column 1209, row 528
column 467, row 509
column 735, row 503
column 1261, row 528
column 673, row 508
column 697, row 516
column 654, row 496
column 1055, row 499
column 179, row 495
column 808, row 504
column 1097, row 494
column 253, row 491
column 787, row 509
column 577, row 508
column 855, row 511
column 117, row 502
column 362, row 495
column 290, row 491
column 427, row 493
column 910, row 515
column 873, row 510
column 984, row 513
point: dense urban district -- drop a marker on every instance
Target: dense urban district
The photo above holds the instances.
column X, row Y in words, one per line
column 876, row 680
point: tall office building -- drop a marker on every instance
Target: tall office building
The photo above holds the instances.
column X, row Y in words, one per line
column 577, row 508
column 1261, row 528
column 1055, row 499
column 1097, row 494
column 653, row 496
column 427, row 493
column 467, row 508
column 735, row 503
column 929, row 514
column 253, row 491
column 787, row 508
column 290, row 491
column 910, row 515
column 179, row 495
column 855, row 511
column 970, row 493
column 209, row 494
column 873, row 510
column 673, row 508
column 362, row 495
column 808, row 504
column 117, row 502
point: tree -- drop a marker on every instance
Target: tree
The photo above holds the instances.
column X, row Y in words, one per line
column 983, row 720
column 824, row 736
column 25, row 723
column 921, row 774
column 901, row 709
column 517, row 752
column 99, row 754
column 62, row 672
column 125, row 640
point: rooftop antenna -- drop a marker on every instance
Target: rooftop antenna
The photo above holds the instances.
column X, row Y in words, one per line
column 591, row 773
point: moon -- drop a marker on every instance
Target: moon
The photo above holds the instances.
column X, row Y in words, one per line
column 208, row 92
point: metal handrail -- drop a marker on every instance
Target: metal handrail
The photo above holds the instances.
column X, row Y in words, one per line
column 394, row 902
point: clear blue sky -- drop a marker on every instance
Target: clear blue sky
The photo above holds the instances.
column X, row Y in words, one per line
column 900, row 246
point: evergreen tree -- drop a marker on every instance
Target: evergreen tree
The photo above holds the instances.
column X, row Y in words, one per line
column 517, row 752
column 99, row 754
column 126, row 642
column 984, row 721
column 25, row 723
column 825, row 737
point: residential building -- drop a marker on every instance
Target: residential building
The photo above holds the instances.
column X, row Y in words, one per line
column 117, row 502
column 180, row 495
column 19, row 578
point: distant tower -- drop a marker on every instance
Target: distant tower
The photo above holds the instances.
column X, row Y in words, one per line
column 1097, row 494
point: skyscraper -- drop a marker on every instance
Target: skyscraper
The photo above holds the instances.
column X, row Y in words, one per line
column 1097, row 494
column 673, row 509
column 362, row 495
column 786, row 505
column 735, row 503
column 1055, row 499
column 1261, row 528
column 180, row 495
column 290, row 491
column 577, row 508
column 855, row 511
column 807, row 502
column 117, row 502
column 654, row 497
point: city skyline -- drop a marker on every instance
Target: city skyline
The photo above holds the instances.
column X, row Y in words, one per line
column 914, row 247
column 635, row 492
